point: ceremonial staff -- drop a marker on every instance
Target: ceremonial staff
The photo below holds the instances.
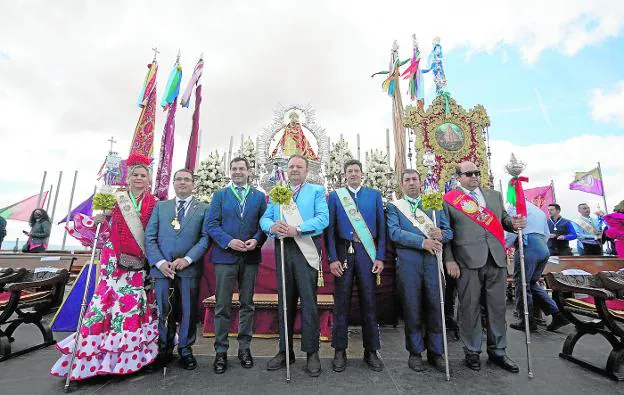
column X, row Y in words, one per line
column 515, row 196
column 433, row 201
column 281, row 195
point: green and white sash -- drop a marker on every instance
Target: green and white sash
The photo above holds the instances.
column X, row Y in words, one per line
column 418, row 218
column 305, row 243
column 132, row 218
column 357, row 221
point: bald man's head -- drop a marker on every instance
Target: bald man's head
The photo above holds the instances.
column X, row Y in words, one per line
column 468, row 175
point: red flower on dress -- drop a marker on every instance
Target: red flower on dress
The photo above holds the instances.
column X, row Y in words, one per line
column 127, row 303
column 137, row 279
column 131, row 323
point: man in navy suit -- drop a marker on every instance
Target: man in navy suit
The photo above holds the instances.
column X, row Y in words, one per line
column 302, row 249
column 356, row 246
column 176, row 241
column 417, row 242
column 233, row 224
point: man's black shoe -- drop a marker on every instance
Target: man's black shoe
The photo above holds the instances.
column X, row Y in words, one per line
column 245, row 358
column 279, row 361
column 339, row 364
column 313, row 366
column 372, row 360
column 415, row 362
column 504, row 362
column 473, row 362
column 188, row 362
column 557, row 322
column 519, row 326
column 220, row 363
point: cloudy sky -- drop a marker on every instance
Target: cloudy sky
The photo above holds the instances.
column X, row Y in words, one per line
column 550, row 74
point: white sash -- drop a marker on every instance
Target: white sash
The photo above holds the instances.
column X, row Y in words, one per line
column 419, row 219
column 305, row 243
column 132, row 218
column 587, row 224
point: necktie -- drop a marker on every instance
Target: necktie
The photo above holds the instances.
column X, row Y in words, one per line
column 473, row 195
column 181, row 211
column 241, row 202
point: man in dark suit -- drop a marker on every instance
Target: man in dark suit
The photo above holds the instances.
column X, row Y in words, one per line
column 356, row 247
column 416, row 241
column 176, row 241
column 233, row 224
column 476, row 257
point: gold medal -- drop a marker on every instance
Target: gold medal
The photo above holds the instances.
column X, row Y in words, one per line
column 175, row 223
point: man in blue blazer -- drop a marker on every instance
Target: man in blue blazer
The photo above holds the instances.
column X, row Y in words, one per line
column 176, row 241
column 233, row 225
column 302, row 249
column 416, row 242
column 355, row 248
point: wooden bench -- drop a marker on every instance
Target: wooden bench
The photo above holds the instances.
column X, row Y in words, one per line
column 26, row 297
column 266, row 318
column 592, row 317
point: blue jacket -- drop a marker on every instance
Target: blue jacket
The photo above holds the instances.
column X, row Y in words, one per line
column 312, row 206
column 408, row 240
column 224, row 224
column 370, row 205
column 164, row 242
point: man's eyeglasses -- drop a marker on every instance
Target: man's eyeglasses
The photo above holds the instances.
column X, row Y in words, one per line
column 472, row 173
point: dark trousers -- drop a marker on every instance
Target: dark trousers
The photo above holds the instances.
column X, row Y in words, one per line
column 182, row 304
column 301, row 282
column 359, row 265
column 535, row 259
column 226, row 274
column 489, row 280
column 417, row 282
column 592, row 249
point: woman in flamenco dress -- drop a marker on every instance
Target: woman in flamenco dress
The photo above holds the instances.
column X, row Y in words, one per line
column 119, row 333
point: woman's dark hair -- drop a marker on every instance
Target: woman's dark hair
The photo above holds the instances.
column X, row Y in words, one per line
column 44, row 217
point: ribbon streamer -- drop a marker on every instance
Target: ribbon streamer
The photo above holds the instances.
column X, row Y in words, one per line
column 515, row 195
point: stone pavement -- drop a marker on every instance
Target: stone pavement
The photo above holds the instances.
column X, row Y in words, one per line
column 29, row 374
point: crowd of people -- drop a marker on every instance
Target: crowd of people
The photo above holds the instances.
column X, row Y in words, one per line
column 145, row 304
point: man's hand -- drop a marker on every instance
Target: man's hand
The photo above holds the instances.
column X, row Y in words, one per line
column 453, row 269
column 336, row 268
column 166, row 269
column 436, row 234
column 237, row 245
column 180, row 264
column 552, row 236
column 560, row 237
column 518, row 222
column 251, row 244
column 292, row 231
column 378, row 266
column 432, row 246
column 279, row 228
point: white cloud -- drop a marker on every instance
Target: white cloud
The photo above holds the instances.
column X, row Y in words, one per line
column 608, row 107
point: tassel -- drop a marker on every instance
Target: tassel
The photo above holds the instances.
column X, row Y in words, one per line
column 320, row 281
column 378, row 279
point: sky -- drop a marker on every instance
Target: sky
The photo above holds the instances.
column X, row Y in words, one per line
column 550, row 74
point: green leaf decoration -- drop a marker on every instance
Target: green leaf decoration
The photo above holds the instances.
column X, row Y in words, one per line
column 432, row 201
column 103, row 201
column 281, row 194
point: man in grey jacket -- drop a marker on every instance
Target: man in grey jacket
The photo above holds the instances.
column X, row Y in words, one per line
column 476, row 257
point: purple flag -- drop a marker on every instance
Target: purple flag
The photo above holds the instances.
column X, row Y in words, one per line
column 85, row 208
column 163, row 176
column 589, row 182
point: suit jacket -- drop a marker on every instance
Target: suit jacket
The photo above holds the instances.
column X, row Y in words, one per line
column 312, row 206
column 224, row 223
column 408, row 240
column 164, row 242
column 370, row 205
column 471, row 243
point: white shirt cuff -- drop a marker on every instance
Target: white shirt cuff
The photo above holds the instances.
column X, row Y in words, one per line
column 159, row 263
column 188, row 259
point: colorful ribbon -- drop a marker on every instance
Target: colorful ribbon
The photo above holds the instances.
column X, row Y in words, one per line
column 515, row 195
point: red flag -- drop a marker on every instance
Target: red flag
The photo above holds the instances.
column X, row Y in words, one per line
column 191, row 152
column 21, row 211
column 541, row 197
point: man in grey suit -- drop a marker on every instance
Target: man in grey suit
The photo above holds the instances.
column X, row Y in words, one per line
column 176, row 241
column 476, row 257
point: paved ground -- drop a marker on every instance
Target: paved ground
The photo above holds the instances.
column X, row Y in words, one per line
column 28, row 374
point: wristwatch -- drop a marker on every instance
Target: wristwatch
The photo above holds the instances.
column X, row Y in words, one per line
column 298, row 230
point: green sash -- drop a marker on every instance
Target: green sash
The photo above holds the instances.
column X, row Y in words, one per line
column 357, row 221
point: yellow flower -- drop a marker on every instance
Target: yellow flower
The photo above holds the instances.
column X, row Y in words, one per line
column 103, row 201
column 280, row 194
column 432, row 201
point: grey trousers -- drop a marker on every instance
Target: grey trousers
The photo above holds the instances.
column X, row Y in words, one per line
column 492, row 280
column 245, row 274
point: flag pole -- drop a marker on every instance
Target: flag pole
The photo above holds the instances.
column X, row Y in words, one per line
column 49, row 198
column 604, row 199
column 500, row 186
column 69, row 209
column 552, row 187
column 58, row 188
column 45, row 173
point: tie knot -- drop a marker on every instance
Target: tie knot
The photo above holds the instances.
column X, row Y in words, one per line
column 240, row 189
column 181, row 203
